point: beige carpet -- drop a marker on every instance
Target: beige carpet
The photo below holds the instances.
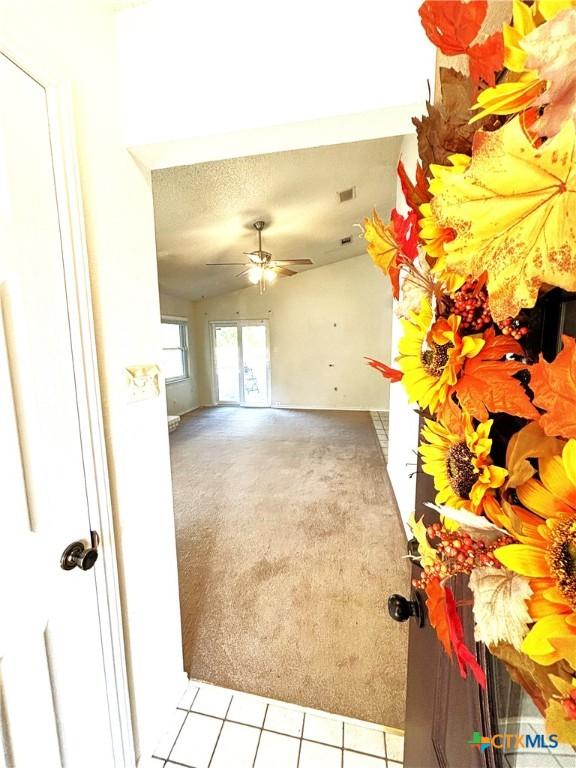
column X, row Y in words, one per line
column 288, row 547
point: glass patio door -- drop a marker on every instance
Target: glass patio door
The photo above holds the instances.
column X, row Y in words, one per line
column 241, row 363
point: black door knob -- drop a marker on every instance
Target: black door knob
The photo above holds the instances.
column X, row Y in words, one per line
column 78, row 555
column 401, row 609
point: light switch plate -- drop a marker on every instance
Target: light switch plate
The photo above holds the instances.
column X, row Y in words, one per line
column 142, row 382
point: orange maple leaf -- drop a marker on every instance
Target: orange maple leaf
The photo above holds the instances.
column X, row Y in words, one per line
column 443, row 616
column 487, row 58
column 554, row 387
column 486, row 384
column 436, row 605
column 451, row 24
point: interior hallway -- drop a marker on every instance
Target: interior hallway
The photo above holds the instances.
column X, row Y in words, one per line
column 288, row 547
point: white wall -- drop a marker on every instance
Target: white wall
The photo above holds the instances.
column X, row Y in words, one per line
column 403, row 427
column 74, row 41
column 182, row 396
column 203, row 81
column 335, row 315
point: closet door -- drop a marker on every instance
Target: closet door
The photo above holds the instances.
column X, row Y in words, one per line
column 53, row 700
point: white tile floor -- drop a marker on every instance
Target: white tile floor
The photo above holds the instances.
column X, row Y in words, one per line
column 380, row 420
column 560, row 757
column 217, row 728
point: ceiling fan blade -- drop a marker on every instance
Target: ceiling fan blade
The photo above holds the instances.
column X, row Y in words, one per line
column 282, row 262
column 284, row 272
column 227, row 264
column 244, row 272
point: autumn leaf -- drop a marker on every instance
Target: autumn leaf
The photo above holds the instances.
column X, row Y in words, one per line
column 533, row 678
column 559, row 724
column 486, row 384
column 563, row 686
column 464, row 656
column 443, row 616
column 554, row 387
column 512, row 213
column 500, row 611
column 389, row 373
column 406, row 233
column 436, row 605
column 451, row 24
column 528, row 443
column 551, row 50
column 487, row 58
column 446, row 130
column 417, row 193
column 388, row 243
column 427, row 551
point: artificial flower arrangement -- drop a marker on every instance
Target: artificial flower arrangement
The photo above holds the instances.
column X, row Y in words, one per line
column 490, row 230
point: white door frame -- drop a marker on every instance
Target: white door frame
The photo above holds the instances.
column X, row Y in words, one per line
column 77, row 284
column 239, row 324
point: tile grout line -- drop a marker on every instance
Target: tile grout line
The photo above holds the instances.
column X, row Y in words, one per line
column 260, row 737
column 182, row 726
column 300, row 744
column 261, row 729
column 288, row 735
column 220, row 731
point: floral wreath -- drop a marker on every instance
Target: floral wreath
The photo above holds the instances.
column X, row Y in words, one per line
column 490, row 229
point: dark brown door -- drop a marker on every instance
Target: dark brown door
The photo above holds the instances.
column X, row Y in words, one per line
column 442, row 709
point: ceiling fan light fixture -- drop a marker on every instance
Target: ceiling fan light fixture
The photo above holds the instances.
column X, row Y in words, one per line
column 255, row 274
column 261, row 268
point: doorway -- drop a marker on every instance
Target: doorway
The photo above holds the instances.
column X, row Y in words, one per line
column 283, row 513
column 241, row 363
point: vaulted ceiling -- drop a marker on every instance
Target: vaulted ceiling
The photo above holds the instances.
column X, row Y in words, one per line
column 204, row 213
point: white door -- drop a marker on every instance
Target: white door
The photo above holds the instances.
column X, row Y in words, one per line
column 53, row 694
column 241, row 357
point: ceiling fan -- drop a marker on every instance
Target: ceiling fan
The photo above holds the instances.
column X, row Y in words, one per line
column 261, row 267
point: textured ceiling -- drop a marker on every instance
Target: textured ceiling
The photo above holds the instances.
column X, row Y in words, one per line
column 205, row 212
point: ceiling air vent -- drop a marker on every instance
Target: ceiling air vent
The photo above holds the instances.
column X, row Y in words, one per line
column 347, row 194
column 346, row 240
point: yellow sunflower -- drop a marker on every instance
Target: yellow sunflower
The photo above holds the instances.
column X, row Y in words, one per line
column 432, row 354
column 547, row 556
column 460, row 462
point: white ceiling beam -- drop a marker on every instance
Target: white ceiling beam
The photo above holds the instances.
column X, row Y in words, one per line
column 376, row 124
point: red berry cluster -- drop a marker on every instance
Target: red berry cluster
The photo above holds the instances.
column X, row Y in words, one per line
column 458, row 552
column 471, row 304
column 514, row 327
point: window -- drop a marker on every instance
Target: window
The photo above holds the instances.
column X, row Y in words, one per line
column 174, row 350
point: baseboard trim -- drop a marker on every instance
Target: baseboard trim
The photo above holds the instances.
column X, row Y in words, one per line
column 184, row 413
column 327, row 408
column 190, row 410
column 284, row 406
